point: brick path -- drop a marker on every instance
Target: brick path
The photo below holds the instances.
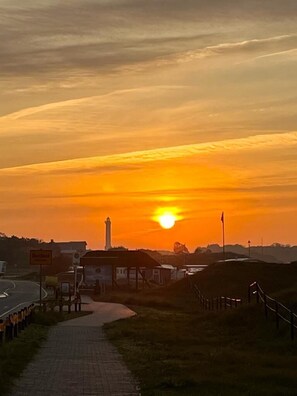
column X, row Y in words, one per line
column 77, row 360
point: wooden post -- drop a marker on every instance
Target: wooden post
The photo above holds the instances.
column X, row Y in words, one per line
column 128, row 275
column 249, row 294
column 258, row 298
column 265, row 306
column 112, row 277
column 217, row 303
column 136, row 276
column 276, row 315
column 225, row 302
column 1, row 331
column 292, row 326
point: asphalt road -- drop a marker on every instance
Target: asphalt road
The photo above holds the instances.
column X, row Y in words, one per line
column 15, row 295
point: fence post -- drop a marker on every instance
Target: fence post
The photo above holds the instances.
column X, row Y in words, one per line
column 220, row 302
column 292, row 326
column 225, row 302
column 217, row 303
column 276, row 315
column 257, row 287
column 1, row 331
column 265, row 306
column 249, row 294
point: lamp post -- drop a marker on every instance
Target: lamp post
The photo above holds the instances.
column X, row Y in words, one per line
column 249, row 243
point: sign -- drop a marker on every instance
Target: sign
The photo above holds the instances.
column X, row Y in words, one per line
column 65, row 288
column 40, row 257
column 51, row 281
column 76, row 258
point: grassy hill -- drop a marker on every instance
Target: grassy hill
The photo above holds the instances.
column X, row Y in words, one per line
column 233, row 278
column 174, row 348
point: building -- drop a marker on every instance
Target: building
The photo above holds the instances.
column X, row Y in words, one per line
column 115, row 268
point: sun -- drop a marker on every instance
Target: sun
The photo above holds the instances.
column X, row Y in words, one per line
column 167, row 220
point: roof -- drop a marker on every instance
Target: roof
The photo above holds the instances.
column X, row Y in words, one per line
column 240, row 260
column 119, row 258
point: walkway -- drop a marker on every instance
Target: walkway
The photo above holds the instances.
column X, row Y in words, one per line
column 77, row 359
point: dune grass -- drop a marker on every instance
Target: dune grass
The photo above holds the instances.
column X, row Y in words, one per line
column 174, row 348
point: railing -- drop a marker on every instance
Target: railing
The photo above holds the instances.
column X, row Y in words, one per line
column 216, row 303
column 52, row 304
column 280, row 311
column 14, row 323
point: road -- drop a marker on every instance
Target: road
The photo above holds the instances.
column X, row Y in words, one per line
column 15, row 295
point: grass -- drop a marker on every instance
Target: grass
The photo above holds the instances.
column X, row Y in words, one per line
column 173, row 348
column 16, row 354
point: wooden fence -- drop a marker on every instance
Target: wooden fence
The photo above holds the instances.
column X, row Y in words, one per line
column 216, row 303
column 280, row 312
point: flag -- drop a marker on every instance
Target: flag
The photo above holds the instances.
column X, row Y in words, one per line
column 222, row 217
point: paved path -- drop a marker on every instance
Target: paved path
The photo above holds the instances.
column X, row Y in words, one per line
column 77, row 359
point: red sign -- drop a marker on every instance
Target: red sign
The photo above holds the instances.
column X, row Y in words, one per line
column 40, row 257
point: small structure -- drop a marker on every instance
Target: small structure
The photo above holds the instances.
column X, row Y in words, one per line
column 115, row 268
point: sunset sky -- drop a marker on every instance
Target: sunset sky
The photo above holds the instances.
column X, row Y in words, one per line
column 127, row 108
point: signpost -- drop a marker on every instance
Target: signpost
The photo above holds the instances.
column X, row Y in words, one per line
column 75, row 262
column 40, row 257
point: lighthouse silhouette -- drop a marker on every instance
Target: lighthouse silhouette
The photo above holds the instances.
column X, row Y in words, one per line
column 107, row 233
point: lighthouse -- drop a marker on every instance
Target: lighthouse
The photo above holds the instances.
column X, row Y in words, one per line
column 107, row 233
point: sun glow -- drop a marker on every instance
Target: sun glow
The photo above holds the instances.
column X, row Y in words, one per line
column 167, row 220
column 167, row 217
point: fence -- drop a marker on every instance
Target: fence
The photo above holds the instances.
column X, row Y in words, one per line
column 280, row 311
column 60, row 303
column 11, row 326
column 216, row 303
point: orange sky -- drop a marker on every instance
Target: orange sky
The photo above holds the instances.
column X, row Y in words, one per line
column 121, row 110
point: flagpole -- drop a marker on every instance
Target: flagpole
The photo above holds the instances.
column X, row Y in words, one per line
column 223, row 229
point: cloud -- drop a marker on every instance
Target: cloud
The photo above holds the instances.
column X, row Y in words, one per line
column 252, row 143
column 39, row 39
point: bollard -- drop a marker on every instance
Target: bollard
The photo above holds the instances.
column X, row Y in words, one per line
column 15, row 324
column 23, row 322
column 11, row 334
column 19, row 321
column 2, row 329
column 6, row 329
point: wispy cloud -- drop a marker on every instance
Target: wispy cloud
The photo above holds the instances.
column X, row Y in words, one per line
column 244, row 47
column 87, row 165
